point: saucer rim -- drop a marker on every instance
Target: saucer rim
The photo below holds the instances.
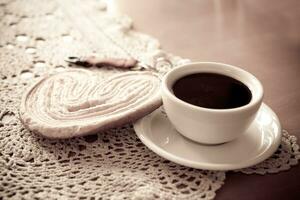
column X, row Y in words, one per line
column 266, row 153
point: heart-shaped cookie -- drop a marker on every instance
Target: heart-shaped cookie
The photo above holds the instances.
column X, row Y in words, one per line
column 78, row 102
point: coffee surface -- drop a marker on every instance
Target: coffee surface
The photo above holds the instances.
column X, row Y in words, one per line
column 211, row 90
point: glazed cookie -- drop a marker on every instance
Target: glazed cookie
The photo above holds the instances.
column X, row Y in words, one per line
column 78, row 102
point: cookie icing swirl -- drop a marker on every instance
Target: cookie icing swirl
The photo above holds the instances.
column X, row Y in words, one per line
column 78, row 102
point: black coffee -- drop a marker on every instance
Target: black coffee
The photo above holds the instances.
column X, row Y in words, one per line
column 210, row 90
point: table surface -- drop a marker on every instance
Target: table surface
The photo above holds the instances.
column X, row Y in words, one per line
column 260, row 36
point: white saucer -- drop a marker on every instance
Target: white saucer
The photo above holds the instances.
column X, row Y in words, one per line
column 258, row 143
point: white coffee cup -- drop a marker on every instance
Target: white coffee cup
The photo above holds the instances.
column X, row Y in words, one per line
column 206, row 125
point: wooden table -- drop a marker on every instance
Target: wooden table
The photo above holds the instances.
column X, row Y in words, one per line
column 260, row 36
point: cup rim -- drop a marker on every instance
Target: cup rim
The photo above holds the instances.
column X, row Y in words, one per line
column 248, row 106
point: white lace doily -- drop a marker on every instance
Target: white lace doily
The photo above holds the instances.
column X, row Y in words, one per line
column 36, row 37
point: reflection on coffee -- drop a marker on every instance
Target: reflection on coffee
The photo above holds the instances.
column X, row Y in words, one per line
column 211, row 90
